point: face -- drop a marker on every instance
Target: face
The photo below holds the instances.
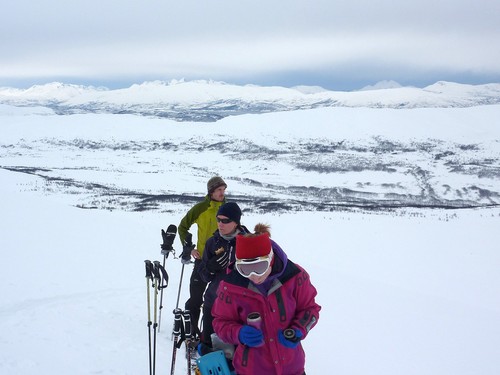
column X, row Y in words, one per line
column 225, row 228
column 218, row 194
column 253, row 268
column 260, row 279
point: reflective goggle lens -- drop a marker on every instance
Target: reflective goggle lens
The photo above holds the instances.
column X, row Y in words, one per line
column 257, row 266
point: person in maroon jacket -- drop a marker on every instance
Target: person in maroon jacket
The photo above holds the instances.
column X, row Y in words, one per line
column 265, row 308
column 218, row 256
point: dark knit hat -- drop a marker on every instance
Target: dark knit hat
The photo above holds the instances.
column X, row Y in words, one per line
column 230, row 210
column 214, row 183
column 249, row 247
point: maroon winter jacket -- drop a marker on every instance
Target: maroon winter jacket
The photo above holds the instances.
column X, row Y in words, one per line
column 289, row 303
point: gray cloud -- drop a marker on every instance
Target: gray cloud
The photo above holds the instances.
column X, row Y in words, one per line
column 320, row 41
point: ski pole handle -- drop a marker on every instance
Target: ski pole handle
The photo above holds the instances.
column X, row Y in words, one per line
column 149, row 269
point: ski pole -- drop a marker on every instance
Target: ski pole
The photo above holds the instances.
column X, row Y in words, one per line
column 178, row 315
column 180, row 285
column 163, row 284
column 176, row 333
column 149, row 277
column 188, row 244
column 161, row 295
column 168, row 239
column 156, row 275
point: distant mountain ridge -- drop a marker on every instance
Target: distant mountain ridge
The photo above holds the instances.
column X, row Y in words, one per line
column 211, row 100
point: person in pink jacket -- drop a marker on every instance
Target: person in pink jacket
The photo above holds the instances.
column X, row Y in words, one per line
column 265, row 307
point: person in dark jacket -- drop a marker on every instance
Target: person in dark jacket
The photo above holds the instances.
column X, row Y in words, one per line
column 217, row 260
column 265, row 307
column 203, row 215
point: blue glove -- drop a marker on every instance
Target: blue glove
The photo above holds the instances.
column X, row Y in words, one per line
column 251, row 336
column 290, row 342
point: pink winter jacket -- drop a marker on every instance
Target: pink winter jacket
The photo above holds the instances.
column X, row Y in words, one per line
column 290, row 303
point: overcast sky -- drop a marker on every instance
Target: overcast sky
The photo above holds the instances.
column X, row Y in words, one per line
column 337, row 44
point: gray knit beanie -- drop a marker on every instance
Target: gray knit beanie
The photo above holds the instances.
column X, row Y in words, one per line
column 214, row 183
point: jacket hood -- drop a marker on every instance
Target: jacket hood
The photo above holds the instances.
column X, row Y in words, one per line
column 279, row 265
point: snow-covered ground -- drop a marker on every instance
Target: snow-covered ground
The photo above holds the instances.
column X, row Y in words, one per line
column 404, row 291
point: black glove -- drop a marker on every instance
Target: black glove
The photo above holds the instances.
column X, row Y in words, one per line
column 187, row 248
column 218, row 263
column 166, row 247
column 168, row 238
column 186, row 253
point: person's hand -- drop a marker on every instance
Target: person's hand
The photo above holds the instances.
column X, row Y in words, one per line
column 218, row 263
column 196, row 254
column 187, row 249
column 250, row 336
column 186, row 254
column 290, row 337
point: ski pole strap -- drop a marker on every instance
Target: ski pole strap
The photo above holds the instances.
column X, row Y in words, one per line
column 182, row 337
column 164, row 275
column 156, row 272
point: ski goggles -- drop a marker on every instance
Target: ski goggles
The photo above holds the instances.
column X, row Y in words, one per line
column 255, row 266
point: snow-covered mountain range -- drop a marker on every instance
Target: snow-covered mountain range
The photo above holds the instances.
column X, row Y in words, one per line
column 379, row 149
column 211, row 101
